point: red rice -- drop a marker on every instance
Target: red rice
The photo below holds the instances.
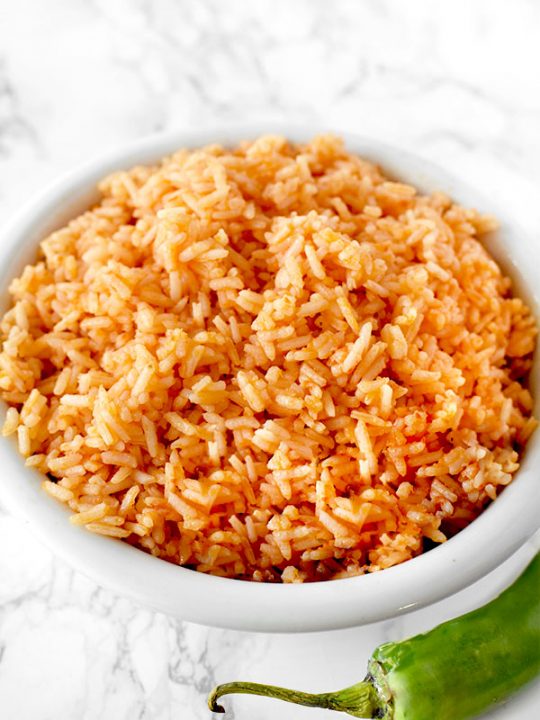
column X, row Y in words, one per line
column 269, row 363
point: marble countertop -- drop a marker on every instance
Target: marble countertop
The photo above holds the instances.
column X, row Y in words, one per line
column 456, row 81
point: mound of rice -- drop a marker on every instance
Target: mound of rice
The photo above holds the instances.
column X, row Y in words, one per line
column 269, row 363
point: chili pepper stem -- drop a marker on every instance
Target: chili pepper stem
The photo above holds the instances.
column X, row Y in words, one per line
column 360, row 700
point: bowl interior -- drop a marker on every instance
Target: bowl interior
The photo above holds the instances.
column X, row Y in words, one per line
column 476, row 550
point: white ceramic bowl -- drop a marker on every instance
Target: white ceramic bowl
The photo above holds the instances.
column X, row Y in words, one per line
column 488, row 541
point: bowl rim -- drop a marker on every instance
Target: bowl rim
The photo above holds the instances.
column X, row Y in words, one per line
column 238, row 604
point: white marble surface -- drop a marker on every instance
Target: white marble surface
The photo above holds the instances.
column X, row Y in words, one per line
column 456, row 81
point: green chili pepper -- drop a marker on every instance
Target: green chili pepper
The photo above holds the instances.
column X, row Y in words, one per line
column 454, row 672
